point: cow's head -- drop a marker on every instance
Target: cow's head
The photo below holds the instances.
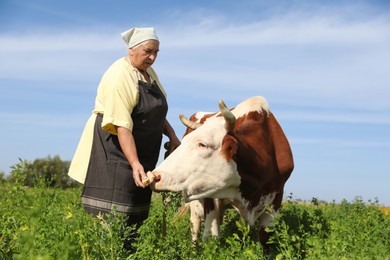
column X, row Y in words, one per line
column 202, row 166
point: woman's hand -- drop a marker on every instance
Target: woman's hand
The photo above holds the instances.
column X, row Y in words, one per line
column 127, row 143
column 138, row 174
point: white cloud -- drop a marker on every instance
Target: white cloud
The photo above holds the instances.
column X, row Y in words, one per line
column 44, row 120
column 286, row 29
column 56, row 41
column 318, row 59
column 340, row 143
column 356, row 117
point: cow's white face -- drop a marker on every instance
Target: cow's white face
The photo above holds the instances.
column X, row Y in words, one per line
column 198, row 167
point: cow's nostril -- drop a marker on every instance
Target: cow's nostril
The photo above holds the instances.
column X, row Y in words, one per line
column 157, row 177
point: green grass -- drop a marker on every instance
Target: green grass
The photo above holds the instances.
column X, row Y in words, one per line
column 46, row 223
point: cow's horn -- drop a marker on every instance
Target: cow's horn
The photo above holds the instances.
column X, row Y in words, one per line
column 188, row 123
column 230, row 119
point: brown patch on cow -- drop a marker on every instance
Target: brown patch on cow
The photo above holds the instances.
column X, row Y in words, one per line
column 205, row 117
column 264, row 157
column 193, row 118
column 229, row 147
column 284, row 157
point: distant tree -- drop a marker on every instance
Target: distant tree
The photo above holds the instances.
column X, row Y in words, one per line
column 19, row 173
column 50, row 171
column 2, row 176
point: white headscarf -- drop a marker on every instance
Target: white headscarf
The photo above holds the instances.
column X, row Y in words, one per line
column 135, row 36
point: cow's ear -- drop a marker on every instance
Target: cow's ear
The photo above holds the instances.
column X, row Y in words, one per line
column 229, row 147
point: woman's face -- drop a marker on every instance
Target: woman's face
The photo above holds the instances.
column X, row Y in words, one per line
column 144, row 55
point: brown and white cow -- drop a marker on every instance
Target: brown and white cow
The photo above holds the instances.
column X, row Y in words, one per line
column 241, row 156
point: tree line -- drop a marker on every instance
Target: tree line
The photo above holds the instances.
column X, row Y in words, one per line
column 49, row 171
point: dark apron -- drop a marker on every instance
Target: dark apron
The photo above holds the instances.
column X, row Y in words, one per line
column 109, row 183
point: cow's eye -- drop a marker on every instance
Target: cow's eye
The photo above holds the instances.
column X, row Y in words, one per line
column 202, row 145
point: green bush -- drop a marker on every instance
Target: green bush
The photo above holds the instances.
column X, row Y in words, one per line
column 350, row 230
column 51, row 224
column 48, row 172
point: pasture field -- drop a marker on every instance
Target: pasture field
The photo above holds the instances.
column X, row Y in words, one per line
column 47, row 223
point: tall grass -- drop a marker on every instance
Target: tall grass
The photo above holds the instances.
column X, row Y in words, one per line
column 47, row 223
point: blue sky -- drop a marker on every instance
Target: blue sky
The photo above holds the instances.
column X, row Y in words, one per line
column 323, row 66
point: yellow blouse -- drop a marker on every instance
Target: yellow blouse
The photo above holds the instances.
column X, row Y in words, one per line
column 117, row 95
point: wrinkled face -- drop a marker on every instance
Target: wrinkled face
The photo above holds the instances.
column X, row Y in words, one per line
column 199, row 167
column 144, row 55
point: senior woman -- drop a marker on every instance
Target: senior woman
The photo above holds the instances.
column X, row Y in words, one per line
column 122, row 138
